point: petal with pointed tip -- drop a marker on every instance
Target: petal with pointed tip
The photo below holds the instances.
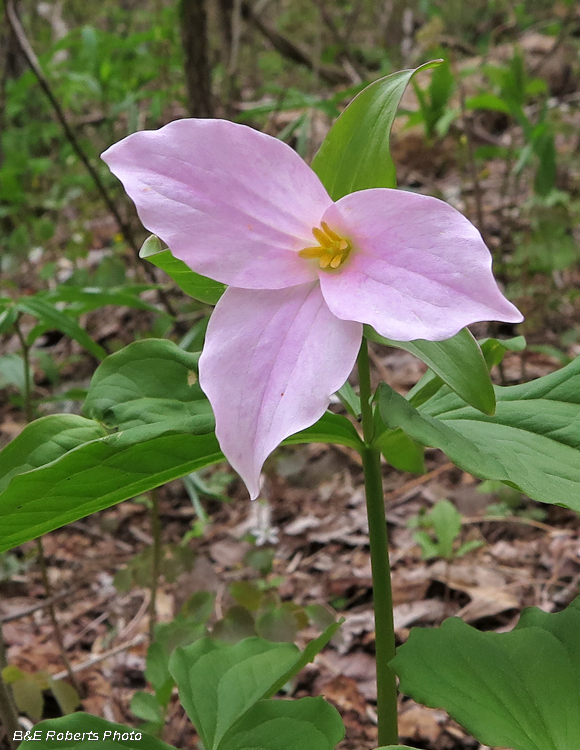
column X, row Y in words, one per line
column 418, row 270
column 233, row 203
column 270, row 363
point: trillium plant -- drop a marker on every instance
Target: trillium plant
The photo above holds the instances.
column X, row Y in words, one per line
column 306, row 263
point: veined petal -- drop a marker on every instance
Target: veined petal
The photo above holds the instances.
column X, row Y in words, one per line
column 270, row 362
column 418, row 270
column 233, row 203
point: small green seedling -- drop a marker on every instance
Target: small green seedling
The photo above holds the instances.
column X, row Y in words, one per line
column 440, row 532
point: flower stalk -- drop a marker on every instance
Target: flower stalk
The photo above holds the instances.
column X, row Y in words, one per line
column 381, row 570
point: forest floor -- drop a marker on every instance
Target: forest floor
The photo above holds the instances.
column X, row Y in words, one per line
column 316, row 511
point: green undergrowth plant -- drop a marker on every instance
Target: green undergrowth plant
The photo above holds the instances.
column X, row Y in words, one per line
column 440, row 531
column 147, row 421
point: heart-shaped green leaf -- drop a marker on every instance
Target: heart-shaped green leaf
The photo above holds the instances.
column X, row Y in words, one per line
column 218, row 684
column 305, row 724
column 149, row 381
column 517, row 690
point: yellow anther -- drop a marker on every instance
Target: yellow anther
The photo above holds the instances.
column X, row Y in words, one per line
column 332, row 250
column 321, row 237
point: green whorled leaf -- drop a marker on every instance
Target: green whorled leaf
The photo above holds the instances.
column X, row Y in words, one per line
column 531, row 443
column 400, row 451
column 43, row 441
column 196, row 286
column 49, row 315
column 458, row 361
column 148, row 382
column 219, row 684
column 97, row 475
column 517, row 689
column 81, row 731
column 330, row 428
column 355, row 154
column 495, row 349
column 305, row 724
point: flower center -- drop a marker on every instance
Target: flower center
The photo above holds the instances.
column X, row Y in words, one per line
column 332, row 249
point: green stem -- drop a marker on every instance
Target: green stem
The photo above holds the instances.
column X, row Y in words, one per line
column 381, row 570
column 26, row 395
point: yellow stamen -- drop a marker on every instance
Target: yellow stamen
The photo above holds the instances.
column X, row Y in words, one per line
column 332, row 249
column 321, row 237
column 312, row 252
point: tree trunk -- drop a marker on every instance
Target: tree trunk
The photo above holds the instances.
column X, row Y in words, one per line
column 193, row 20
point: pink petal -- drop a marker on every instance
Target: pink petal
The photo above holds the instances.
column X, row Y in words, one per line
column 418, row 270
column 270, row 362
column 233, row 203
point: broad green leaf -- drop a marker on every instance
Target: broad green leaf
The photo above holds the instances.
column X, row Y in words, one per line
column 532, row 442
column 43, row 441
column 148, row 382
column 218, row 684
column 400, row 451
column 458, row 361
column 313, row 648
column 83, row 300
column 495, row 349
column 8, row 316
column 305, row 724
column 49, row 315
column 349, row 400
column 145, row 707
column 330, row 428
column 355, row 154
column 97, row 475
column 196, row 286
column 81, row 731
column 12, row 371
column 517, row 690
column 446, row 520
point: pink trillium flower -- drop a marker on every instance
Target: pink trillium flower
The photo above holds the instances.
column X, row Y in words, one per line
column 303, row 273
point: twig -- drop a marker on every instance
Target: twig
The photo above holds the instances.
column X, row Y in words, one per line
column 399, row 494
column 35, row 607
column 55, row 624
column 101, row 657
column 156, row 563
column 288, row 49
column 511, row 519
column 36, row 68
column 566, row 22
column 340, row 39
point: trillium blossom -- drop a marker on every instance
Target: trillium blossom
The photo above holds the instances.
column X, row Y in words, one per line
column 303, row 272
